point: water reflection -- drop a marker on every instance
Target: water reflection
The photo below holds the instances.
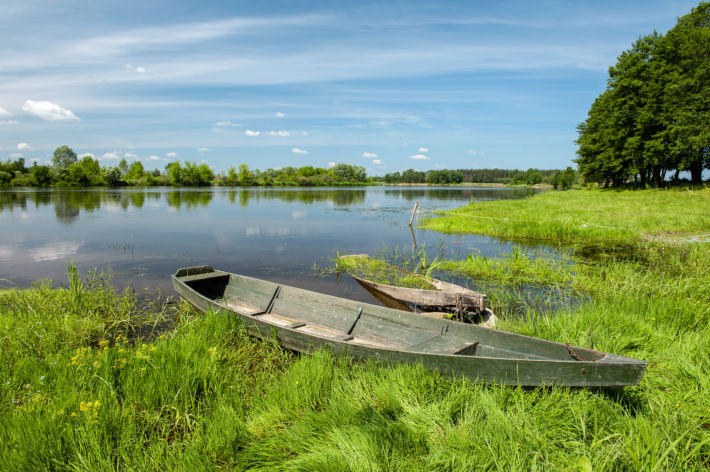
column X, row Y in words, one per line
column 69, row 204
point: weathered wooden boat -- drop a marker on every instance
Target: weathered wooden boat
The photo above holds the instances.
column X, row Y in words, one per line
column 445, row 296
column 306, row 321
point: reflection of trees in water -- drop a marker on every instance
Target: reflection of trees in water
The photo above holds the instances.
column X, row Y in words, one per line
column 188, row 198
column 455, row 193
column 342, row 197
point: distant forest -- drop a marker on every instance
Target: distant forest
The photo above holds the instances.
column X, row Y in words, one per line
column 69, row 170
column 557, row 178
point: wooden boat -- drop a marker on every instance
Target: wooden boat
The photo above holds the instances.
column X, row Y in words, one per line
column 445, row 297
column 305, row 321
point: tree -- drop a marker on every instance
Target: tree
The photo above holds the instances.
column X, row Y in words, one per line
column 123, row 167
column 112, row 175
column 654, row 115
column 135, row 171
column 63, row 157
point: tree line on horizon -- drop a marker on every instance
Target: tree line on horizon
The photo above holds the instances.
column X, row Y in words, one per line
column 563, row 179
column 68, row 170
column 653, row 120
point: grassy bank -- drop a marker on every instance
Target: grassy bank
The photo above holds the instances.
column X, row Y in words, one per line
column 587, row 217
column 80, row 392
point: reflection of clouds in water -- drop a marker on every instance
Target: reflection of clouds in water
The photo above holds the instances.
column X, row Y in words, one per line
column 25, row 216
column 298, row 214
column 283, row 231
column 5, row 253
column 252, row 231
column 280, row 249
column 376, row 205
column 54, row 251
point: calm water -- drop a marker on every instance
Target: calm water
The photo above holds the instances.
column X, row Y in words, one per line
column 141, row 236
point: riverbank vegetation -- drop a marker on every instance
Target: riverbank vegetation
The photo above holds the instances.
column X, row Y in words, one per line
column 92, row 380
column 653, row 118
column 68, row 170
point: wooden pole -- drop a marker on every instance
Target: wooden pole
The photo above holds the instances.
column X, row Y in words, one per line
column 416, row 204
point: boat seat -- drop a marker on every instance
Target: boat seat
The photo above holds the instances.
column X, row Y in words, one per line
column 242, row 307
column 445, row 344
column 281, row 321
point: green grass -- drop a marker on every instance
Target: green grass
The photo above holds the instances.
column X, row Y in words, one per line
column 80, row 391
column 588, row 217
column 378, row 271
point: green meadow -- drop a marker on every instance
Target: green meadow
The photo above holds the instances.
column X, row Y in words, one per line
column 93, row 379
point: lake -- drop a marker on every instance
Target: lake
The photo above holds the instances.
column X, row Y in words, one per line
column 141, row 236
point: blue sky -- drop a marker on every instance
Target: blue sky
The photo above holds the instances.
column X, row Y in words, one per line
column 386, row 85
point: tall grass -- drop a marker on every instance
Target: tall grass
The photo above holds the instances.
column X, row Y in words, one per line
column 584, row 216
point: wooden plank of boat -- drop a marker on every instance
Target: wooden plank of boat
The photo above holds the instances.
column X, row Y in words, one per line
column 445, row 294
column 306, row 321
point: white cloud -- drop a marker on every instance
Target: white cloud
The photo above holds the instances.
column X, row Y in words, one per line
column 226, row 123
column 298, row 214
column 377, row 161
column 54, row 251
column 171, row 154
column 87, row 154
column 110, row 155
column 15, row 155
column 4, row 112
column 279, row 133
column 304, row 133
column 130, row 155
column 49, row 111
column 331, row 164
column 423, row 149
column 419, row 157
column 279, row 114
column 472, row 152
column 252, row 133
column 298, row 151
column 24, row 147
column 155, row 158
column 9, row 122
column 368, row 155
column 140, row 70
column 203, row 149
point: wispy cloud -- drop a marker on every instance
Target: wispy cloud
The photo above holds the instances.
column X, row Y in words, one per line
column 278, row 114
column 279, row 133
column 227, row 124
column 110, row 156
column 331, row 164
column 423, row 149
column 87, row 154
column 15, row 155
column 4, row 112
column 298, row 151
column 203, row 149
column 24, row 147
column 419, row 157
column 171, row 154
column 377, row 161
column 250, row 132
column 369, row 155
column 49, row 111
column 471, row 152
column 9, row 122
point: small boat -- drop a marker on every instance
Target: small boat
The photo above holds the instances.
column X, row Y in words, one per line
column 305, row 321
column 444, row 296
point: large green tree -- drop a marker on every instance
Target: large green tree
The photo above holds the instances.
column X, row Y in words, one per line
column 654, row 115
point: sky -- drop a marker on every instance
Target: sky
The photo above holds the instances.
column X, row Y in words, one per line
column 386, row 85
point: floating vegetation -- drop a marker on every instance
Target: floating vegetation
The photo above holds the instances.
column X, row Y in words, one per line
column 378, row 271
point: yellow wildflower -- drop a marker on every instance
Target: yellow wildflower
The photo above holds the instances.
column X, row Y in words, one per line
column 96, row 364
column 60, row 412
column 212, row 351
